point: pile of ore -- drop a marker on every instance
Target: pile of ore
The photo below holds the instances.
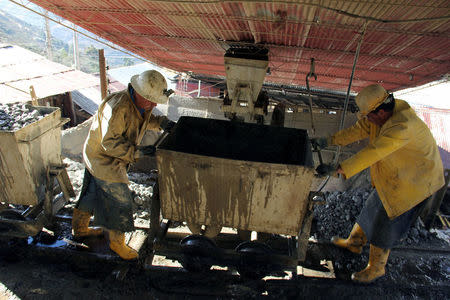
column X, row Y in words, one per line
column 14, row 116
column 338, row 215
column 141, row 186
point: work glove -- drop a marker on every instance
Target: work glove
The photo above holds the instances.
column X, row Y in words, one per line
column 142, row 151
column 320, row 142
column 167, row 125
column 326, row 169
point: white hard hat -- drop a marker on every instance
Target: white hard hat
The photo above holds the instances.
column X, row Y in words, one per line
column 151, row 85
column 370, row 98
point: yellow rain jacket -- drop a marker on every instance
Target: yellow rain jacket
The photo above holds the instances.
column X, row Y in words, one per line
column 117, row 128
column 405, row 165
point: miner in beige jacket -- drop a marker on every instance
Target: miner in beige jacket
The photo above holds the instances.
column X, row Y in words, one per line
column 112, row 144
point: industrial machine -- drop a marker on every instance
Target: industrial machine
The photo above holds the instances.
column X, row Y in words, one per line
column 245, row 69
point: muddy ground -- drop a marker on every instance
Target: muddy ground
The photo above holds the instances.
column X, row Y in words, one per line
column 38, row 276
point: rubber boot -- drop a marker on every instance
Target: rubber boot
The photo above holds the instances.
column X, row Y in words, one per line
column 355, row 241
column 117, row 244
column 375, row 268
column 80, row 224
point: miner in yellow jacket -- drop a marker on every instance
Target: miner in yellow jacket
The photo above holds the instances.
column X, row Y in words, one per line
column 405, row 167
column 117, row 129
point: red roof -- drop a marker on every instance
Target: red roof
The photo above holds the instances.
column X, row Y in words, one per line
column 406, row 43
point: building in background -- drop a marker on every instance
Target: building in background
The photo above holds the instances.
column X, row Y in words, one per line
column 75, row 92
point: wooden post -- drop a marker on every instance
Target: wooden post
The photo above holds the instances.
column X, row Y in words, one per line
column 48, row 37
column 69, row 108
column 103, row 79
column 34, row 100
column 76, row 51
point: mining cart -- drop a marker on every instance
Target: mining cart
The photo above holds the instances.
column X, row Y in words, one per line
column 249, row 177
column 31, row 174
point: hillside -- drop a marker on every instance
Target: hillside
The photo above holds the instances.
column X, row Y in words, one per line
column 24, row 28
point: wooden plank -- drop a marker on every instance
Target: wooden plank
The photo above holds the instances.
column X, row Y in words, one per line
column 65, row 184
column 34, row 99
column 137, row 239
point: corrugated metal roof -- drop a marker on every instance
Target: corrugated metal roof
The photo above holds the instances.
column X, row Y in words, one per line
column 88, row 99
column 20, row 68
column 405, row 43
column 124, row 74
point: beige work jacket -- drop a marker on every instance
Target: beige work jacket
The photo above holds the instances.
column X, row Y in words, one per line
column 403, row 157
column 117, row 128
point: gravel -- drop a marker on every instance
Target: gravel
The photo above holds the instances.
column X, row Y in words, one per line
column 141, row 186
column 340, row 211
column 337, row 217
column 14, row 116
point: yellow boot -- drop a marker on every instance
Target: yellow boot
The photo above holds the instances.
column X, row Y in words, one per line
column 375, row 268
column 117, row 244
column 355, row 241
column 80, row 224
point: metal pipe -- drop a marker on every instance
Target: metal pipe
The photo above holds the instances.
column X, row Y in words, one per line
column 347, row 97
column 311, row 74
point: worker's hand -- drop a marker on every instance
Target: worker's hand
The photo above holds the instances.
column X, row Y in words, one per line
column 341, row 172
column 320, row 142
column 167, row 125
column 325, row 170
column 142, row 151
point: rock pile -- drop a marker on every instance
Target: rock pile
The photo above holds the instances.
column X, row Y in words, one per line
column 141, row 186
column 14, row 116
column 337, row 216
column 339, row 213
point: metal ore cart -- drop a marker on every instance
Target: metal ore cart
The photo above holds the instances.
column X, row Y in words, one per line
column 253, row 178
column 31, row 173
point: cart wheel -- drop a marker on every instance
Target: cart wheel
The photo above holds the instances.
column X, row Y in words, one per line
column 197, row 251
column 250, row 266
column 12, row 248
